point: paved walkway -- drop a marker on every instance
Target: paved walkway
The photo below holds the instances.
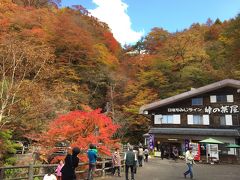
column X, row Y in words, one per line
column 157, row 169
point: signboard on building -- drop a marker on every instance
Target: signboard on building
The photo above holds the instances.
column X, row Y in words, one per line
column 208, row 109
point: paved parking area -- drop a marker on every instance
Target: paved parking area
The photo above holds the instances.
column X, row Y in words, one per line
column 157, row 169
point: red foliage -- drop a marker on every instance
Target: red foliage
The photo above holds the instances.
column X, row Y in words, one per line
column 81, row 129
column 111, row 42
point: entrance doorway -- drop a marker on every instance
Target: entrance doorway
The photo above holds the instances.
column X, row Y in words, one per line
column 167, row 148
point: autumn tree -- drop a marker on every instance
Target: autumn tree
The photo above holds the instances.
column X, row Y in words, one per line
column 21, row 63
column 230, row 54
column 155, row 39
column 81, row 128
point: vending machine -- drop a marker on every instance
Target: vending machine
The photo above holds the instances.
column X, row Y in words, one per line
column 196, row 151
column 212, row 152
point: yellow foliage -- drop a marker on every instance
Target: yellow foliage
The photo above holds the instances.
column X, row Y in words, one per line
column 104, row 56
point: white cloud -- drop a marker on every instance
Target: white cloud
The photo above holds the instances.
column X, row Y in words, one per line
column 114, row 13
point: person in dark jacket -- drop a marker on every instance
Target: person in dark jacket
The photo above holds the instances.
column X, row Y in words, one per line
column 71, row 162
column 162, row 152
column 130, row 161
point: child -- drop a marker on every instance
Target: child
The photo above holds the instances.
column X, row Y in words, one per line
column 58, row 170
column 49, row 176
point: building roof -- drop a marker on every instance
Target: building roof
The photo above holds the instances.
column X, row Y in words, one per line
column 196, row 132
column 189, row 94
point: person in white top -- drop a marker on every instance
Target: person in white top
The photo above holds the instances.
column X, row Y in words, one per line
column 146, row 153
column 49, row 176
column 189, row 161
column 140, row 155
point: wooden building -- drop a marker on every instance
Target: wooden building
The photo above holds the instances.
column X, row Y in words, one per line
column 208, row 111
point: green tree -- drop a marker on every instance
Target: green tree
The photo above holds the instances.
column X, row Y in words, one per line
column 7, row 148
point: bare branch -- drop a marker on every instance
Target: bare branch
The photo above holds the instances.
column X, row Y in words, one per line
column 19, row 60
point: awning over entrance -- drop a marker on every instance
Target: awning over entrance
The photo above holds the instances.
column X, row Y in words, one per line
column 196, row 131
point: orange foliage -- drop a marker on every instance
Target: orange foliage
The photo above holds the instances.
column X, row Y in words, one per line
column 75, row 44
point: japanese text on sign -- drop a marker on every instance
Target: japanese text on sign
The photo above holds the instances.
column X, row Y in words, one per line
column 208, row 109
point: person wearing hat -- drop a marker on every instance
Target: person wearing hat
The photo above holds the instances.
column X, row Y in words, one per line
column 71, row 162
column 189, row 161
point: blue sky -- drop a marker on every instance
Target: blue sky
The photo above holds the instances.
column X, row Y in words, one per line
column 131, row 19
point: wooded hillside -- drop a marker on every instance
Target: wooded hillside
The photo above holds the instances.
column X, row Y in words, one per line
column 56, row 60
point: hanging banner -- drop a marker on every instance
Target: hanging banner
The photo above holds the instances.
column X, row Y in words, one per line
column 186, row 144
column 151, row 142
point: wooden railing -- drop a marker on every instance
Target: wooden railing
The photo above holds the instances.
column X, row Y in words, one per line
column 32, row 172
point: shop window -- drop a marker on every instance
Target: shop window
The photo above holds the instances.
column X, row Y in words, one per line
column 222, row 120
column 225, row 120
column 236, row 120
column 230, row 98
column 221, row 98
column 197, row 101
column 167, row 119
column 158, row 119
column 197, row 119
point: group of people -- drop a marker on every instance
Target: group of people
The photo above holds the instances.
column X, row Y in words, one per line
column 66, row 170
column 166, row 152
column 132, row 157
